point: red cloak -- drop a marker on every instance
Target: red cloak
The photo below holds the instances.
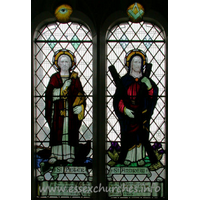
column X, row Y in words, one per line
column 56, row 119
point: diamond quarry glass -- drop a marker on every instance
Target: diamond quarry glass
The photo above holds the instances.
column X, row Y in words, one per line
column 136, row 138
column 52, row 168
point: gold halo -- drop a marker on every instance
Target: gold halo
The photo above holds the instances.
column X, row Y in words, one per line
column 64, row 52
column 131, row 54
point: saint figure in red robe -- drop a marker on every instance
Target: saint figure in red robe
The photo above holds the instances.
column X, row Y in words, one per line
column 134, row 112
column 65, row 106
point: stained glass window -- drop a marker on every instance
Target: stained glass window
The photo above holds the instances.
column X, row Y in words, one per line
column 55, row 180
column 139, row 177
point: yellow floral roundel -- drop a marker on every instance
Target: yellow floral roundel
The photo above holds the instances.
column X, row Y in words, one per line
column 63, row 12
column 135, row 12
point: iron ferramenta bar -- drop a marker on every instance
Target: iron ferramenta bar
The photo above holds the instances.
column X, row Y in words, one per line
column 60, row 41
column 153, row 41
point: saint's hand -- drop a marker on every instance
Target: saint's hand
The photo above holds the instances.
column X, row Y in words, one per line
column 129, row 113
column 67, row 84
column 77, row 109
column 147, row 82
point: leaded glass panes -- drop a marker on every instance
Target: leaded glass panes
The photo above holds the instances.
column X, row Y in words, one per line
column 60, row 177
column 144, row 182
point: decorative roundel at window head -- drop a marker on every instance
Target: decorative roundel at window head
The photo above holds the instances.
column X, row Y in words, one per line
column 135, row 12
column 63, row 12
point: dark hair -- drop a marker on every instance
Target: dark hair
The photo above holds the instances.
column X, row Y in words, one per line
column 131, row 61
